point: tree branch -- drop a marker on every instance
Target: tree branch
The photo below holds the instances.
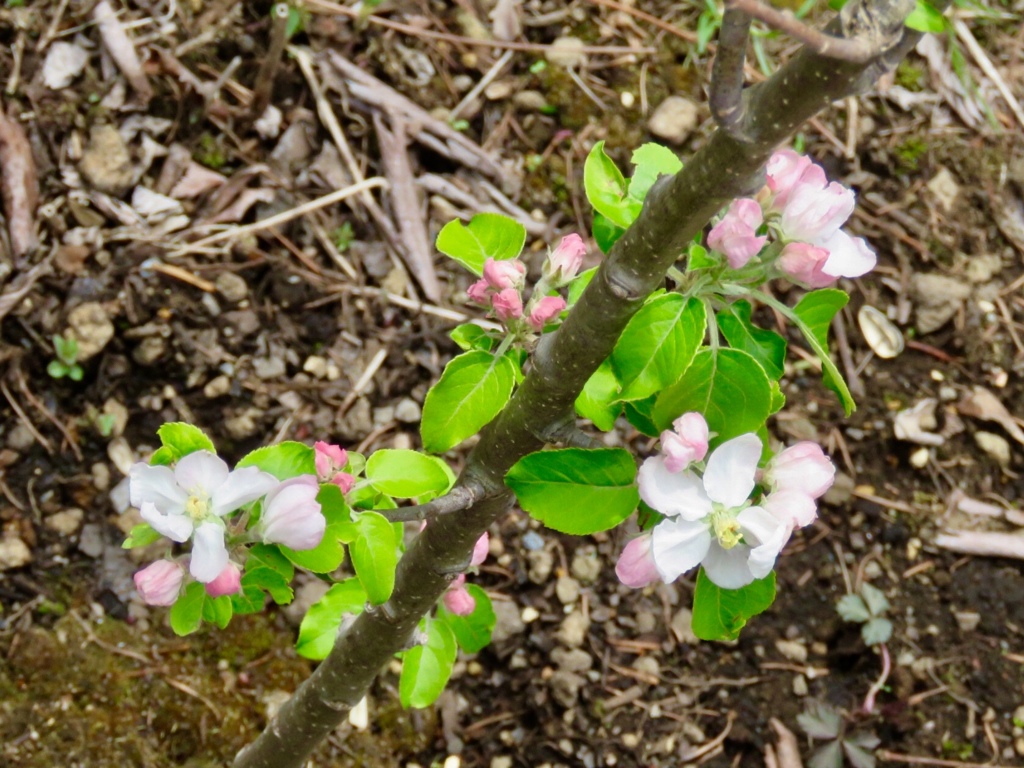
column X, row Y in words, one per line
column 726, row 97
column 676, row 209
column 459, row 498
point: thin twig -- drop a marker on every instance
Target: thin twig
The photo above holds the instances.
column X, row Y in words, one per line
column 479, row 88
column 983, row 61
column 726, row 98
column 25, row 419
column 885, row 754
column 364, row 380
column 682, row 34
column 458, row 499
column 268, row 67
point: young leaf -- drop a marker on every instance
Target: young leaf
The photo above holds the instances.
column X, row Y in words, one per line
column 426, row 668
column 720, row 614
column 473, row 631
column 267, row 569
column 727, row 385
column 187, row 612
column 875, row 599
column 183, row 439
column 876, row 631
column 472, row 390
column 813, row 315
column 606, row 188
column 599, row 399
column 858, row 757
column 488, row 235
column 852, row 608
column 606, row 232
column 141, row 535
column 658, row 345
column 406, row 474
column 926, row 18
column 639, row 413
column 820, row 721
column 576, row 490
column 471, row 337
column 767, row 347
column 320, row 624
column 217, row 610
column 577, row 286
column 328, row 554
column 829, row 756
column 375, row 555
column 284, row 460
column 651, row 160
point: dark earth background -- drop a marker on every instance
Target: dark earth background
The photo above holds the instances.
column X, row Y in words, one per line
column 266, row 337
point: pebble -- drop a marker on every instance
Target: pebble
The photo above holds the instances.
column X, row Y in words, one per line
column 531, row 539
column 529, row 614
column 499, row 90
column 243, row 425
column 106, row 163
column 217, row 387
column 149, row 350
column 268, row 367
column 501, row 761
column 572, row 659
column 232, row 287
column 20, row 437
column 937, row 298
column 567, row 590
column 919, row 459
column 565, row 687
column 586, row 566
column 800, row 686
column 645, row 622
column 648, row 665
column 996, row 446
column 66, row 522
column 541, row 562
column 14, row 553
column 532, row 101
column 631, row 740
column 792, row 650
column 566, row 52
column 408, row 411
column 315, row 366
column 872, row 570
column 508, row 622
column 968, row 621
column 573, row 631
column 841, row 491
column 90, row 540
column 121, row 454
column 90, row 326
column 682, row 627
column 100, row 476
column 674, row 119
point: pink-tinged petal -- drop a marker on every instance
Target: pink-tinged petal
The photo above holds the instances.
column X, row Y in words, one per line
column 156, row 486
column 175, row 526
column 209, row 555
column 242, row 486
column 481, row 549
column 729, row 477
column 672, row 493
column 508, row 304
column 459, row 601
column 228, row 582
column 565, row 261
column 544, row 311
column 791, row 507
column 848, row 256
column 785, row 170
column 679, row 545
column 159, row 583
column 802, row 468
column 200, row 473
column 344, row 481
column 328, row 458
column 636, row 567
column 728, row 568
column 687, row 444
column 813, row 214
column 766, row 535
column 736, row 234
column 501, row 274
column 292, row 515
column 805, row 263
column 480, row 292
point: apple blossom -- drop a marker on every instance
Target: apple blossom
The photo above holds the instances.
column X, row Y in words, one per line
column 330, row 461
column 508, row 304
column 785, row 171
column 292, row 516
column 565, row 261
column 500, row 274
column 480, row 292
column 544, row 311
column 228, row 582
column 847, row 256
column 801, row 468
column 457, row 599
column 736, row 234
column 159, row 583
column 805, row 263
column 635, row 567
column 687, row 443
column 190, row 500
column 814, row 214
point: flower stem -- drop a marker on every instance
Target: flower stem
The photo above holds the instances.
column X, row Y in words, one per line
column 869, row 700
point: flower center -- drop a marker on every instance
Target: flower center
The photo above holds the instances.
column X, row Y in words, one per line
column 726, row 527
column 197, row 507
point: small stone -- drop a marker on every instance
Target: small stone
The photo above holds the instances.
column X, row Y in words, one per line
column 20, row 437
column 64, row 62
column 232, row 287
column 573, row 631
column 945, row 189
column 1018, row 745
column 408, row 411
column 100, row 476
column 121, row 454
column 541, row 562
column 530, row 101
column 631, row 740
column 968, row 621
column 244, row 424
column 586, row 566
column 567, row 590
column 106, row 163
column 919, row 458
column 66, row 522
column 937, row 298
column 792, row 650
column 529, row 614
column 90, row 540
column 572, row 659
column 841, row 491
column 315, row 366
column 531, row 540
column 674, row 119
column 383, row 415
column 90, row 326
column 499, row 90
column 682, row 627
column 217, row 387
column 647, row 665
column 14, row 553
column 645, row 622
column 996, row 446
column 268, row 367
column 566, row 52
column 149, row 350
column 872, row 570
column 565, row 687
column 627, row 99
column 501, row 761
column 800, row 686
column 508, row 622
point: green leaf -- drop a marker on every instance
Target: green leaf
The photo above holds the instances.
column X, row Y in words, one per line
column 852, row 608
column 926, row 18
column 778, row 398
column 375, row 555
column 183, row 439
column 57, row 369
column 320, row 625
column 767, row 347
column 876, row 631
column 472, row 337
column 217, row 610
column 472, row 390
column 606, row 188
column 187, row 612
column 75, row 373
column 576, row 490
column 606, row 232
column 269, row 569
column 821, row 721
column 599, row 399
column 875, row 599
column 658, row 344
column 284, row 460
column 473, row 632
column 829, row 756
column 328, row 554
column 639, row 413
column 426, row 668
column 720, row 614
column 577, row 286
column 140, row 536
column 163, row 456
column 726, row 385
column 488, row 235
column 813, row 314
column 699, row 258
column 651, row 160
column 407, row 474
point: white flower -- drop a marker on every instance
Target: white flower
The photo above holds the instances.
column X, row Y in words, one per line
column 710, row 521
column 190, row 500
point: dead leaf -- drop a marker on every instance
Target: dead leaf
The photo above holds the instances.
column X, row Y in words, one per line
column 197, row 180
column 121, row 49
column 505, row 23
column 787, row 751
column 982, row 404
column 241, row 205
column 916, row 424
column 64, row 62
column 19, row 185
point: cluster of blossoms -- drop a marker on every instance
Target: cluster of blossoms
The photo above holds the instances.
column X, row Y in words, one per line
column 805, row 213
column 709, row 517
column 501, row 287
column 457, row 599
column 195, row 499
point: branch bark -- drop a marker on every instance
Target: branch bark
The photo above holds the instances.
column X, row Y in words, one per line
column 726, row 98
column 676, row 209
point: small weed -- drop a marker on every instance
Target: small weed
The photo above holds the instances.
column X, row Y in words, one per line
column 66, row 362
column 825, row 723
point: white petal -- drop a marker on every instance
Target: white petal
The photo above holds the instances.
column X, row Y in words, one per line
column 672, row 493
column 729, row 477
column 848, row 256
column 175, row 526
column 768, row 533
column 156, row 486
column 209, row 555
column 728, row 567
column 678, row 545
column 201, row 472
column 241, row 487
column 791, row 507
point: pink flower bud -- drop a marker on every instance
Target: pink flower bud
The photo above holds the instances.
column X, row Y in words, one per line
column 291, row 514
column 159, row 583
column 228, row 582
column 736, row 234
column 328, row 458
column 457, row 599
column 481, row 549
column 804, row 262
column 786, row 170
column 508, row 304
column 480, row 292
column 504, row 273
column 544, row 311
column 687, row 444
column 565, row 261
column 802, row 468
column 636, row 567
column 813, row 214
column 343, row 480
